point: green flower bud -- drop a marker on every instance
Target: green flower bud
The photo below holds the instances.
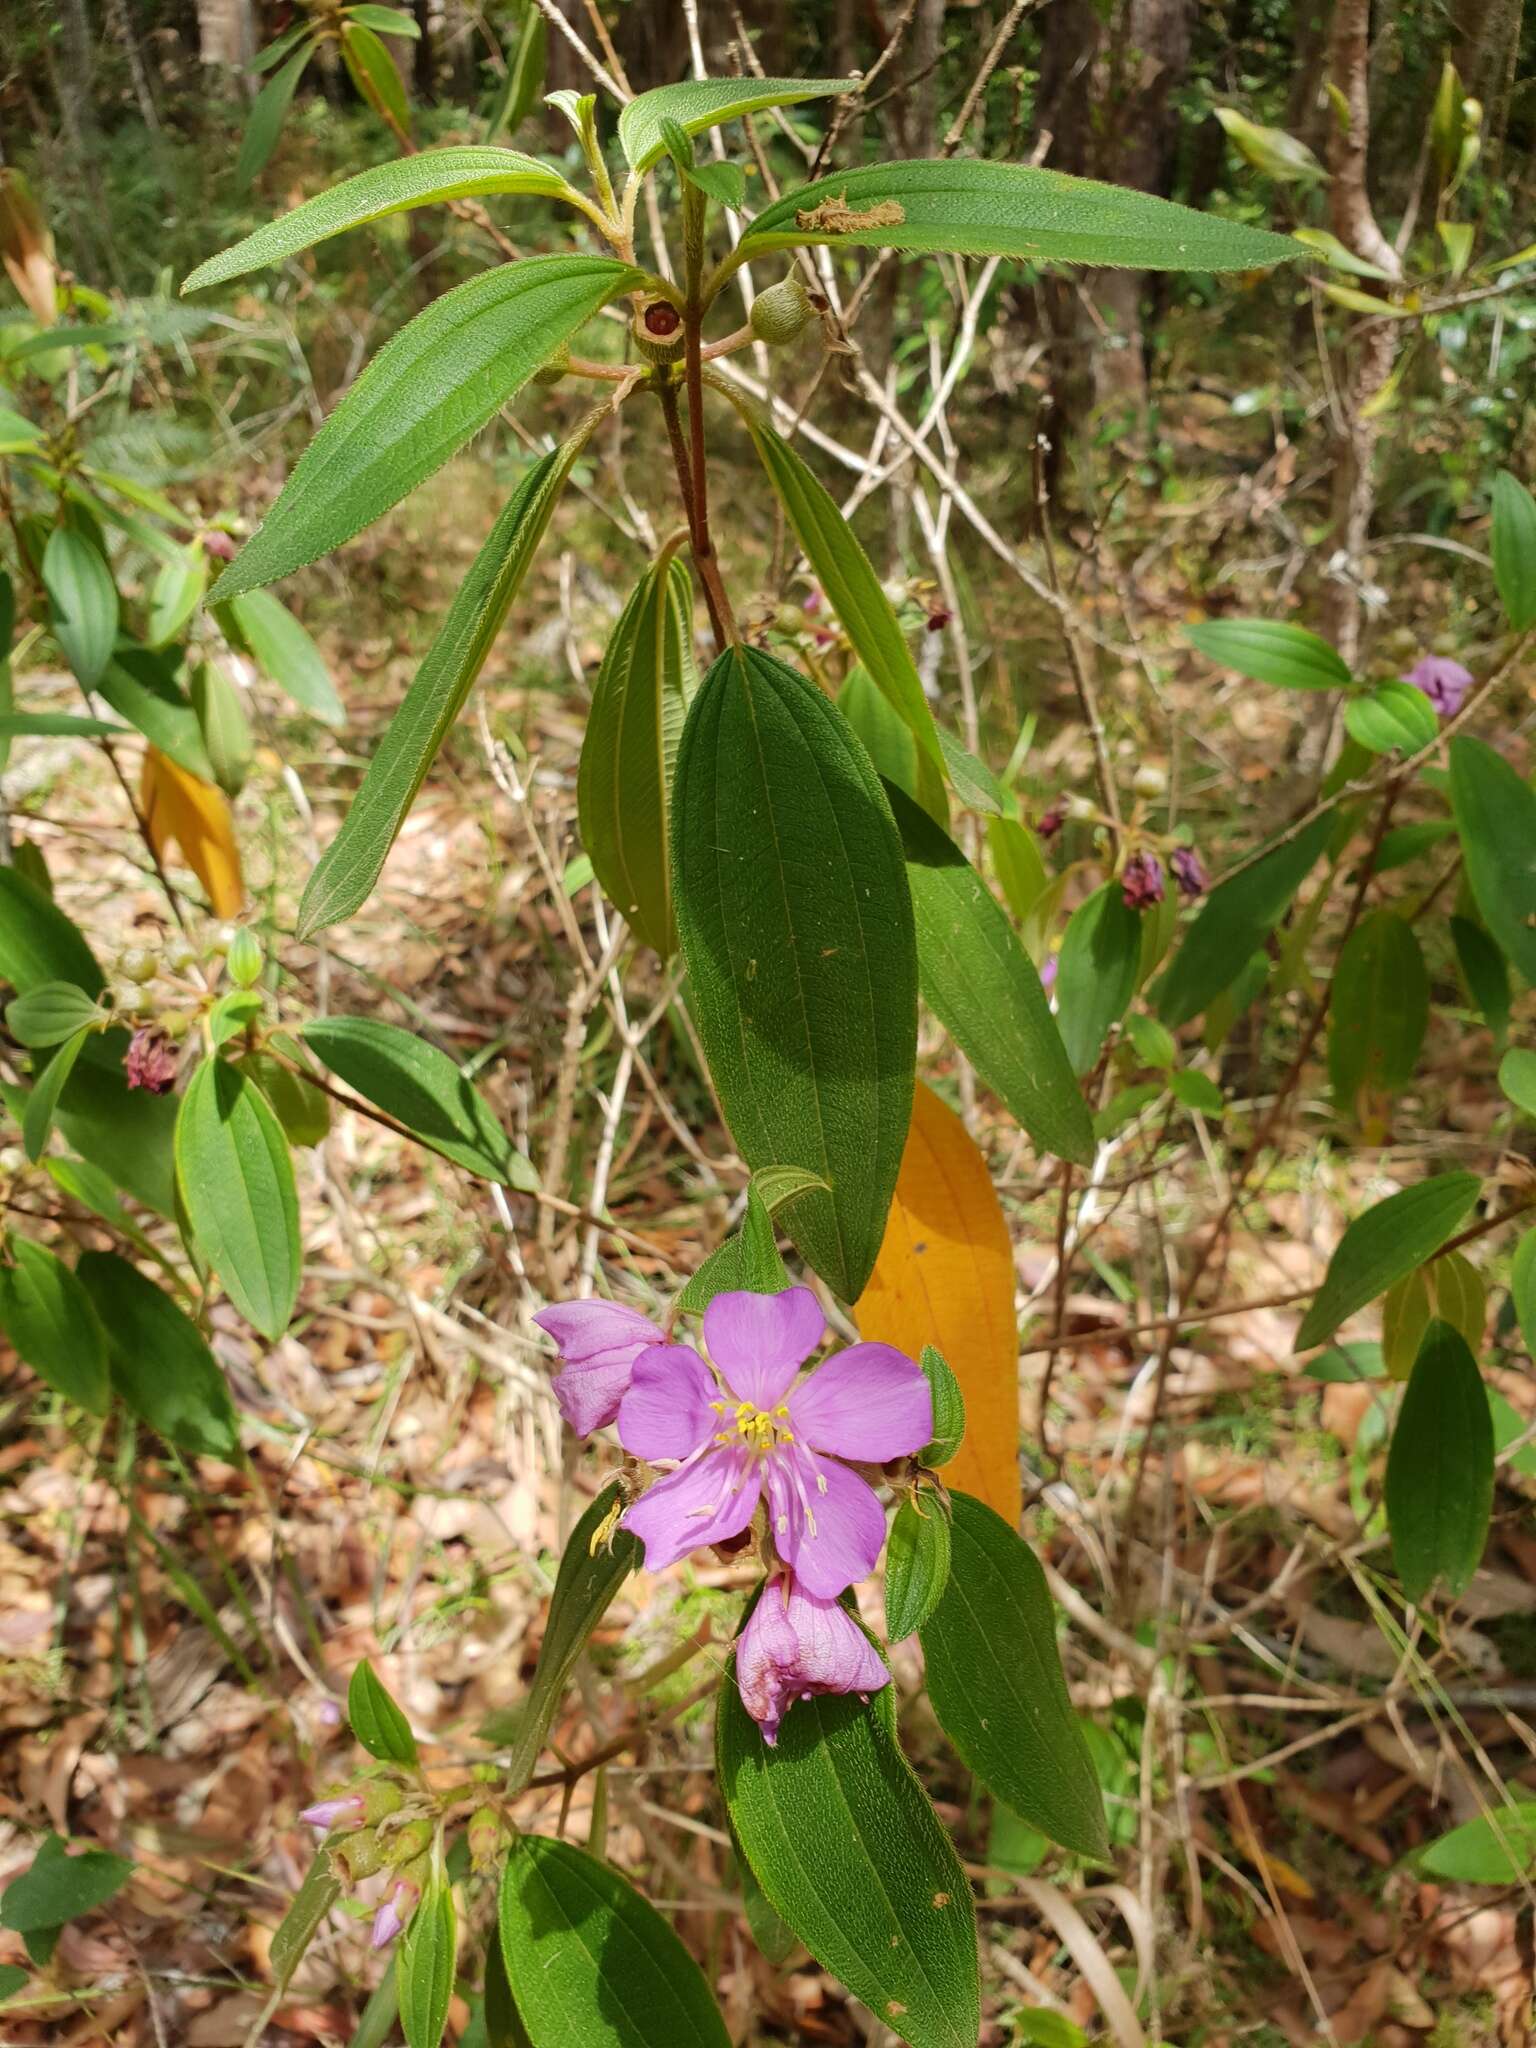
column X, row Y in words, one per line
column 487, row 1837
column 557, row 366
column 358, row 1855
column 138, row 964
column 402, row 1845
column 782, row 311
column 245, row 958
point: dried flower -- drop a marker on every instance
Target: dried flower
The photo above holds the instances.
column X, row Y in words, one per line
column 599, row 1342
column 796, row 1645
column 1444, row 682
column 150, row 1061
column 1189, row 871
column 1141, row 881
column 1050, row 822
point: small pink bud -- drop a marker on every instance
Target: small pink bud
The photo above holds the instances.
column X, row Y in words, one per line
column 399, row 1904
column 343, row 1811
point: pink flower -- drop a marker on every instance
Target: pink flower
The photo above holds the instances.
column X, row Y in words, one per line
column 744, row 1434
column 599, row 1342
column 150, row 1061
column 1444, row 682
column 1050, row 822
column 331, row 1813
column 1141, row 881
column 795, row 1645
column 1189, row 871
column 400, row 1902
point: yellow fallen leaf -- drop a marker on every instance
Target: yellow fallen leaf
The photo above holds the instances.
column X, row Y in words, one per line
column 945, row 1277
column 180, row 807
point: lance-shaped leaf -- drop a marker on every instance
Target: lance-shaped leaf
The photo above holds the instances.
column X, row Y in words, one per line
column 375, row 1718
column 82, row 602
column 629, row 754
column 422, row 397
column 303, row 1920
column 524, row 80
column 988, row 209
column 429, row 178
column 374, row 73
column 996, row 1683
column 982, row 986
column 47, row 1086
column 422, row 1088
column 849, row 1853
column 143, row 688
column 1514, row 549
column 1389, row 1240
column 944, row 1278
column 1234, row 923
column 1497, row 1848
column 264, row 628
column 1272, row 651
column 1496, row 818
column 586, row 1582
column 235, row 1176
column 50, row 1321
column 38, row 943
column 1379, row 1010
column 1096, row 972
column 796, row 927
column 426, row 1967
column 268, row 112
column 346, row 872
column 591, row 1963
column 1439, row 1485
column 185, row 810
column 160, row 1364
column 853, row 591
column 699, row 103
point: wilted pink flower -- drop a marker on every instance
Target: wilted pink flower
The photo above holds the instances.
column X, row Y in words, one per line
column 1049, row 972
column 1050, row 822
column 150, row 1061
column 347, row 1809
column 1444, row 682
column 795, row 1645
column 744, row 1433
column 400, row 1902
column 938, row 619
column 1141, row 881
column 219, row 545
column 599, row 1342
column 1189, row 871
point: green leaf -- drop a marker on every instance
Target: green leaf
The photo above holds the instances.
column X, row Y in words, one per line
column 1153, row 1042
column 13, row 1978
column 18, row 436
column 524, row 81
column 423, row 1089
column 700, row 103
column 1517, row 1077
column 1406, row 843
column 849, row 1853
column 1344, row 1364
column 725, row 183
column 429, row 178
column 749, row 1260
column 373, row 72
column 796, row 927
column 974, row 783
column 263, row 627
column 1495, row 1848
column 853, row 589
column 981, row 985
column 1197, row 1091
column 1379, row 1011
column 1278, row 154
column 593, row 1964
column 303, row 1920
column 142, row 688
column 384, row 21
column 995, row 1680
column 428, row 391
column 268, row 112
column 47, row 1086
column 1234, row 922
column 301, row 1108
column 888, row 741
column 50, row 1013
column 224, row 726
column 38, row 943
column 1439, row 1484
column 427, row 1957
column 1496, row 817
column 59, row 1886
column 125, row 1132
column 62, row 725
column 584, row 1586
column 346, row 873
column 1020, row 865
column 1486, row 973
column 275, row 51
column 989, row 209
column 629, row 754
column 503, row 2022
column 176, row 593
column 1522, row 1288
column 235, row 1176
column 1393, row 718
column 1449, row 1287
column 160, row 1363
column 82, row 602
column 1514, row 549
column 917, row 1558
column 1389, row 1240
column 1270, row 651
column 948, row 1409
column 1333, row 251
column 1096, row 972
column 375, row 1720
column 49, row 1319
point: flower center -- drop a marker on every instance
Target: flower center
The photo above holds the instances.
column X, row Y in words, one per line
column 758, row 1430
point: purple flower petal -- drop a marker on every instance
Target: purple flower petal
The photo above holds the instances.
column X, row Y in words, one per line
column 707, row 1501
column 599, row 1342
column 666, row 1413
column 795, row 1645
column 328, row 1813
column 398, row 1906
column 827, row 1524
column 589, row 1393
column 760, row 1341
column 1444, row 682
column 869, row 1402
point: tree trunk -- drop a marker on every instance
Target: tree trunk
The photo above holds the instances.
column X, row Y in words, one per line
column 226, row 32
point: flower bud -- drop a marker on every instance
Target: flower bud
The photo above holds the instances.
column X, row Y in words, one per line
column 245, row 958
column 138, row 965
column 658, row 331
column 1150, row 779
column 336, row 1810
column 1141, row 881
column 406, row 1842
column 487, row 1837
column 358, row 1855
column 400, row 1902
column 782, row 311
